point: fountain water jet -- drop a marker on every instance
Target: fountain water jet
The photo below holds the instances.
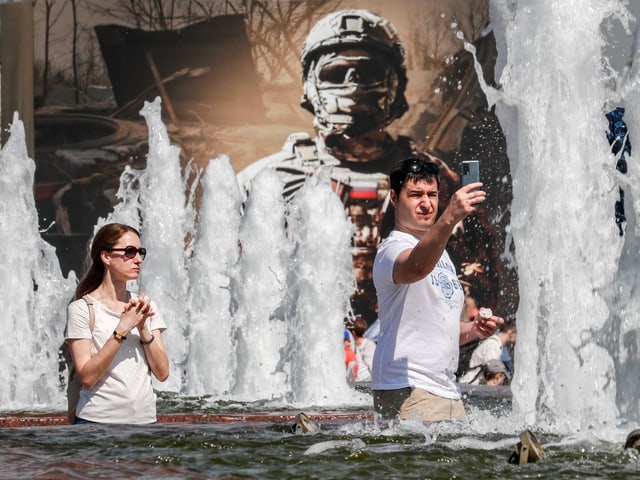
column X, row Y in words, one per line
column 211, row 364
column 34, row 292
column 573, row 312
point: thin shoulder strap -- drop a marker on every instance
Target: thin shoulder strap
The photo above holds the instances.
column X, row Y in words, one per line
column 92, row 315
column 477, row 374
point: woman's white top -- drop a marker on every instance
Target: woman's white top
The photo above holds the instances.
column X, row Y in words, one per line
column 124, row 394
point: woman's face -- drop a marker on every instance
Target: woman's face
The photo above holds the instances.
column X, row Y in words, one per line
column 120, row 266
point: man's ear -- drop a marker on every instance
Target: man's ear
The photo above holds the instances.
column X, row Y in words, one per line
column 393, row 197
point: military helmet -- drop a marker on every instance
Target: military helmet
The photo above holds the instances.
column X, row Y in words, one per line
column 357, row 28
column 353, row 28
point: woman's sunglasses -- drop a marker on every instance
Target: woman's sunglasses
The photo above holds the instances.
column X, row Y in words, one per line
column 130, row 252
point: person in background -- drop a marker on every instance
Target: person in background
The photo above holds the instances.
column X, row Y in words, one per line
column 493, row 373
column 420, row 299
column 116, row 358
column 507, row 359
column 350, row 359
column 489, row 349
column 364, row 347
column 469, row 312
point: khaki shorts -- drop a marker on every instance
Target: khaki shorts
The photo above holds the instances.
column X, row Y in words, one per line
column 417, row 404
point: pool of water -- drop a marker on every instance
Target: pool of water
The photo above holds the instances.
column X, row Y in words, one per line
column 353, row 448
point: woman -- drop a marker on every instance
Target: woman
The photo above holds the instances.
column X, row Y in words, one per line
column 114, row 360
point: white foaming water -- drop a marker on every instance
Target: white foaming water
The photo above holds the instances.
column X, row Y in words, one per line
column 320, row 232
column 259, row 286
column 211, row 363
column 249, row 326
column 34, row 293
column 577, row 360
column 578, row 318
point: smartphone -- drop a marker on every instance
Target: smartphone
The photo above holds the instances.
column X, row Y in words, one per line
column 470, row 172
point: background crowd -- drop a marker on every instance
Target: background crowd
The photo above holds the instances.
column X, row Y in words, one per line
column 482, row 362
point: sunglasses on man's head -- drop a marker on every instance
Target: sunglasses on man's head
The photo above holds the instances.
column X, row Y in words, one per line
column 130, row 251
column 415, row 165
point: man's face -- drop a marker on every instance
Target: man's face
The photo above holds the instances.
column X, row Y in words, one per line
column 416, row 206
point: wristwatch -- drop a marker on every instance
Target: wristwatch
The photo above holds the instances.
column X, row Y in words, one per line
column 119, row 337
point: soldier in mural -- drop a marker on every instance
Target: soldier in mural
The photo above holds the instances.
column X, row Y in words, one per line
column 354, row 81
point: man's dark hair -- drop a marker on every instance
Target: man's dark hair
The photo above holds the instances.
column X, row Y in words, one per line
column 415, row 168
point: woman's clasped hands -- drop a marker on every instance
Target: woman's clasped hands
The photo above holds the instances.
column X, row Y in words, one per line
column 135, row 314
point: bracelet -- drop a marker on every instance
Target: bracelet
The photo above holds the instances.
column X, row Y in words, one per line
column 147, row 342
column 119, row 337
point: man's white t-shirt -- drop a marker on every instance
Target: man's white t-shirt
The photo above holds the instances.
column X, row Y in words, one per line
column 124, row 394
column 419, row 324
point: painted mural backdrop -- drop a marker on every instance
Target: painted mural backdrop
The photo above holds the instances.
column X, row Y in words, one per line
column 231, row 81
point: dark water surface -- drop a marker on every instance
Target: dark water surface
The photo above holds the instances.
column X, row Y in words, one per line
column 343, row 449
column 268, row 451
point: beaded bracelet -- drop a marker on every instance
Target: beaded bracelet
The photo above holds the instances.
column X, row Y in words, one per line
column 147, row 342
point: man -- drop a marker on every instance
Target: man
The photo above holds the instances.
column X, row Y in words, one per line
column 354, row 81
column 420, row 299
column 489, row 349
